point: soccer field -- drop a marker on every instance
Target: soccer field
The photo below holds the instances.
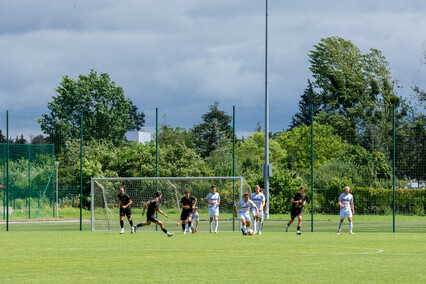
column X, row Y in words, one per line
column 144, row 257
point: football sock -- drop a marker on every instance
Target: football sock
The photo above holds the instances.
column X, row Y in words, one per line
column 288, row 224
column 350, row 226
column 210, row 223
column 244, row 229
column 298, row 228
column 122, row 224
column 340, row 225
column 216, row 223
column 183, row 226
column 260, row 226
column 254, row 224
column 131, row 222
column 139, row 225
column 164, row 230
column 187, row 226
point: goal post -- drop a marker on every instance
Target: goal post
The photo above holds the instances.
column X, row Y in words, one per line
column 104, row 194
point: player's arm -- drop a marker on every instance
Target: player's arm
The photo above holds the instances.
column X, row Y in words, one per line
column 254, row 205
column 340, row 203
column 161, row 212
column 294, row 201
column 235, row 212
column 116, row 204
column 353, row 207
column 206, row 201
column 144, row 207
column 128, row 204
column 304, row 203
column 195, row 202
column 218, row 201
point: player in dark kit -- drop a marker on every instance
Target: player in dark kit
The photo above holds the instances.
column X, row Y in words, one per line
column 298, row 202
column 125, row 210
column 153, row 205
column 187, row 203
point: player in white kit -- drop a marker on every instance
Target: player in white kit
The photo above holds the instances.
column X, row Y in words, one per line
column 346, row 202
column 258, row 199
column 244, row 206
column 213, row 201
column 195, row 219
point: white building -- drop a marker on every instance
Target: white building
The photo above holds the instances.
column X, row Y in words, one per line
column 139, row 136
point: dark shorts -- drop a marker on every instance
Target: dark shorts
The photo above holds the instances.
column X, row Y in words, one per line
column 151, row 218
column 296, row 212
column 185, row 215
column 125, row 212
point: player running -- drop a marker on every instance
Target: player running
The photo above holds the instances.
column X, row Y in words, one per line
column 298, row 201
column 196, row 219
column 187, row 203
column 346, row 202
column 244, row 206
column 213, row 201
column 153, row 205
column 125, row 210
column 258, row 199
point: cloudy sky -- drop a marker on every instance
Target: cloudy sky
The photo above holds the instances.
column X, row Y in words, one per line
column 186, row 54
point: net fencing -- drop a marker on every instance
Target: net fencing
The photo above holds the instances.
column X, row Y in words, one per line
column 104, row 195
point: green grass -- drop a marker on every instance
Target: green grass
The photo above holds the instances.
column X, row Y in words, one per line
column 151, row 257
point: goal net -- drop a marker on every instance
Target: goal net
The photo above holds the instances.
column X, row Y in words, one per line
column 104, row 195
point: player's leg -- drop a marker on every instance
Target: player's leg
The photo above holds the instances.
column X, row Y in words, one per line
column 289, row 222
column 261, row 223
column 342, row 218
column 196, row 226
column 121, row 222
column 216, row 222
column 159, row 223
column 299, row 224
column 211, row 216
column 350, row 225
column 188, row 223
column 254, row 221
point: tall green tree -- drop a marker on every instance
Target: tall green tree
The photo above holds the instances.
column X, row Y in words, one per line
column 356, row 88
column 107, row 113
column 308, row 99
column 214, row 132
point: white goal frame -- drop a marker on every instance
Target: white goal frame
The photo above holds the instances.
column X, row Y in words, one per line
column 167, row 179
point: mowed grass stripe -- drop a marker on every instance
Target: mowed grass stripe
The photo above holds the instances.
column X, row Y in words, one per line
column 107, row 257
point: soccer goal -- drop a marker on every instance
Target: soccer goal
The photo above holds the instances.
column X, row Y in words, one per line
column 104, row 194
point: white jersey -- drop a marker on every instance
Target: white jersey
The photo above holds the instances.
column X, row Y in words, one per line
column 258, row 199
column 346, row 201
column 243, row 206
column 213, row 198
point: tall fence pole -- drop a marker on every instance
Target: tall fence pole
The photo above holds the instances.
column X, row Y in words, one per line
column 312, row 168
column 156, row 156
column 393, row 164
column 266, row 167
column 233, row 164
column 81, row 171
column 7, row 170
column 29, row 181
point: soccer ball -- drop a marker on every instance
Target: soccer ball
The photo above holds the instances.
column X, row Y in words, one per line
column 249, row 232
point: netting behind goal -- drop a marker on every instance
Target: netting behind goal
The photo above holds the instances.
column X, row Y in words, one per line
column 105, row 190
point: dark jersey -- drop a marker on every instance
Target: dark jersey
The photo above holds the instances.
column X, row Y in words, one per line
column 152, row 207
column 124, row 199
column 297, row 197
column 188, row 201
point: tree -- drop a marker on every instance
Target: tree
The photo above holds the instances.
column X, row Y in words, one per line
column 138, row 118
column 356, row 87
column 38, row 139
column 304, row 116
column 214, row 132
column 106, row 111
column 2, row 137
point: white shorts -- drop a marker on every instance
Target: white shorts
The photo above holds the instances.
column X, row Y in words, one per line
column 345, row 213
column 260, row 213
column 213, row 212
column 195, row 217
column 245, row 216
